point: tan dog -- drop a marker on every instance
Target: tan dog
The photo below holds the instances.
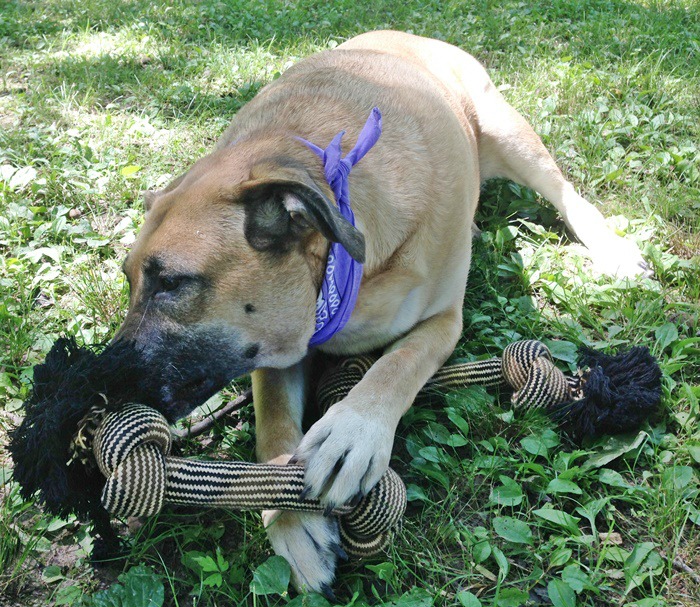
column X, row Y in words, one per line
column 225, row 272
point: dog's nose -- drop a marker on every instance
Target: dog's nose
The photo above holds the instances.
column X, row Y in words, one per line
column 171, row 405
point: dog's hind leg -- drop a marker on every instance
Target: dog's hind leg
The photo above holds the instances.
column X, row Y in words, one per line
column 509, row 147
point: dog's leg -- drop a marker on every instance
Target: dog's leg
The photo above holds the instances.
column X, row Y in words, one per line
column 308, row 541
column 508, row 147
column 349, row 448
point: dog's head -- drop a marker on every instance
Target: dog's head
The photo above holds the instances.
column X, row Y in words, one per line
column 225, row 272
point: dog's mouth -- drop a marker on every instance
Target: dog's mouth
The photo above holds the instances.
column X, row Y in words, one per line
column 180, row 372
column 178, row 401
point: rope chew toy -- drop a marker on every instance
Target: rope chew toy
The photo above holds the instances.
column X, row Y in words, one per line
column 608, row 395
column 131, row 447
column 133, row 473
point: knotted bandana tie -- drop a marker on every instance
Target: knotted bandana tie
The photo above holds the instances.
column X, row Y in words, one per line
column 341, row 281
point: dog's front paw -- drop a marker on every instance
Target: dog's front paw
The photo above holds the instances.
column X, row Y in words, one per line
column 310, row 542
column 345, row 454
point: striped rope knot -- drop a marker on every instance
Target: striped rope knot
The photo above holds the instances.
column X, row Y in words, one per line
column 525, row 366
column 132, row 445
column 528, row 369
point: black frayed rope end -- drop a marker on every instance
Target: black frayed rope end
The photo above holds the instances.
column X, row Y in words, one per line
column 618, row 393
column 66, row 386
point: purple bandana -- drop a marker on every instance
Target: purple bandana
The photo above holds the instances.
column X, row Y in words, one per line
column 341, row 282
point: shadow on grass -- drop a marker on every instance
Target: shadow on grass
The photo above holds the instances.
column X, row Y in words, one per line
column 586, row 29
column 602, row 33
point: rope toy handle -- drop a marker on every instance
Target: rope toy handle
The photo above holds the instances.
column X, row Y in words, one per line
column 609, row 394
column 525, row 366
column 132, row 447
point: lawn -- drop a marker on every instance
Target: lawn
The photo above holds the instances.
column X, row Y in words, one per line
column 100, row 100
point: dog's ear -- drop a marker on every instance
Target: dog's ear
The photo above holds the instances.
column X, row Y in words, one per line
column 280, row 209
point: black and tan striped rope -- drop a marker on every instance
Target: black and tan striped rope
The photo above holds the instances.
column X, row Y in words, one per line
column 526, row 367
column 131, row 447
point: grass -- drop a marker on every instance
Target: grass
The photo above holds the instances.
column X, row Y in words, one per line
column 100, row 100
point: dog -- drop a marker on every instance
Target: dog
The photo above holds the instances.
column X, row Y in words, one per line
column 226, row 271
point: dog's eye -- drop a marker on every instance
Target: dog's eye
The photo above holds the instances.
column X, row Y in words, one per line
column 167, row 284
column 171, row 286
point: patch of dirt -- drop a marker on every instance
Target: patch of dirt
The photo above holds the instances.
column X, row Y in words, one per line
column 25, row 592
column 685, row 244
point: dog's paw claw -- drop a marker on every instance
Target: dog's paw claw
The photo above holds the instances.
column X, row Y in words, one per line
column 327, row 591
column 304, row 493
column 344, row 453
column 357, row 498
column 339, row 552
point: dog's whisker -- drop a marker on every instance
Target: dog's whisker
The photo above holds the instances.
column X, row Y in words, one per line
column 143, row 316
